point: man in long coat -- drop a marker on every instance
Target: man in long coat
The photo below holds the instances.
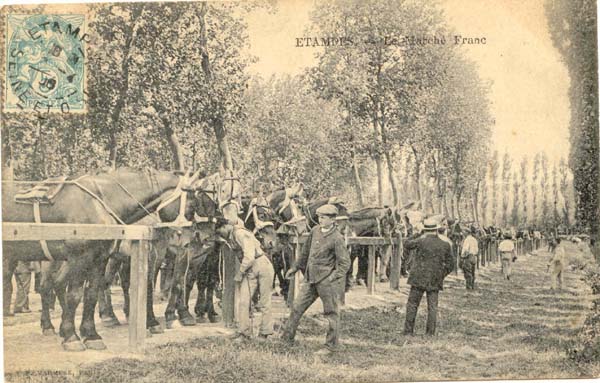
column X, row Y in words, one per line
column 432, row 262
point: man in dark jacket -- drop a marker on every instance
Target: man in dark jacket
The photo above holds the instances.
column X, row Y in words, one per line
column 432, row 262
column 324, row 261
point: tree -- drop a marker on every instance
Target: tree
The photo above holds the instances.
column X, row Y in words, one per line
column 544, row 190
column 565, row 192
column 494, row 167
column 506, row 167
column 515, row 216
column 534, row 187
column 524, row 188
column 573, row 28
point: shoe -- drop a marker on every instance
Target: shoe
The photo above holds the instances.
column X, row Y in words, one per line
column 24, row 310
column 264, row 337
column 324, row 352
column 238, row 337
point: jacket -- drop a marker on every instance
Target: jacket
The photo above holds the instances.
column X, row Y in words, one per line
column 432, row 262
column 323, row 254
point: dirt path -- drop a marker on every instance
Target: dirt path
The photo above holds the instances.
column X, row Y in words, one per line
column 502, row 330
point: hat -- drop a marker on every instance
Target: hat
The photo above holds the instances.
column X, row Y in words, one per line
column 430, row 224
column 327, row 210
column 342, row 218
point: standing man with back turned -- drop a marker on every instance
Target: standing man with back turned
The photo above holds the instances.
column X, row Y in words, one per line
column 325, row 262
column 432, row 262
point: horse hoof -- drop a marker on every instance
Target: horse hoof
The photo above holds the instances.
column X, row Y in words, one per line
column 169, row 324
column 48, row 332
column 214, row 319
column 110, row 322
column 187, row 321
column 96, row 344
column 156, row 329
column 74, row 346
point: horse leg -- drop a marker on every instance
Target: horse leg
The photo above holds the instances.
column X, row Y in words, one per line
column 76, row 278
column 95, row 278
column 46, row 289
column 125, row 277
column 151, row 323
column 8, row 269
column 183, row 272
column 105, row 307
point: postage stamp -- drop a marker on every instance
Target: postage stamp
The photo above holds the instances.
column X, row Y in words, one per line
column 45, row 66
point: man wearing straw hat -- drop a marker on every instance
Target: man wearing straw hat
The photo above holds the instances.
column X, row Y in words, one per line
column 432, row 262
column 325, row 262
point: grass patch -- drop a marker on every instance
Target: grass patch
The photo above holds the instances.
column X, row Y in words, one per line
column 499, row 331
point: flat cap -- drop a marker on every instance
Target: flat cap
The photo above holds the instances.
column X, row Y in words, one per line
column 327, row 210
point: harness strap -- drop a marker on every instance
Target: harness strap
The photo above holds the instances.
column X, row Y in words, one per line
column 93, row 195
column 37, row 218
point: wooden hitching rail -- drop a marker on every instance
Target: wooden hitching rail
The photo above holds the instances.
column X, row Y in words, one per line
column 20, row 231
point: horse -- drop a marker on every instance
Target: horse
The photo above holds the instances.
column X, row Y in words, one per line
column 216, row 195
column 112, row 197
column 370, row 222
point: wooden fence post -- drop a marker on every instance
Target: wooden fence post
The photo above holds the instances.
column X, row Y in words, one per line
column 371, row 271
column 138, row 296
column 395, row 262
column 294, row 286
column 230, row 267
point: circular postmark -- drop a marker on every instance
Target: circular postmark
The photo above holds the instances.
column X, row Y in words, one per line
column 45, row 63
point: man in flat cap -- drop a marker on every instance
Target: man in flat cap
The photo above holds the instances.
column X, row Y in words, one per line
column 432, row 262
column 324, row 261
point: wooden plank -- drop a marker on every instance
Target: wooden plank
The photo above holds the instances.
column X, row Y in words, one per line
column 230, row 268
column 138, row 296
column 294, row 286
column 371, row 271
column 395, row 264
column 377, row 241
column 26, row 231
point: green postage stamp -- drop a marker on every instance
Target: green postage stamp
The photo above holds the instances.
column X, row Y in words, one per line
column 45, row 63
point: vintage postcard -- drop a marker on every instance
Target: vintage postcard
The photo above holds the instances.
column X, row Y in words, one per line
column 300, row 191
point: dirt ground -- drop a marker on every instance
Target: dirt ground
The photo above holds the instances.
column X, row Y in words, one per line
column 503, row 329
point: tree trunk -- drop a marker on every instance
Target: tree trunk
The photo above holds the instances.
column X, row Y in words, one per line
column 357, row 182
column 388, row 157
column 379, row 164
column 174, row 144
column 418, row 177
column 218, row 123
column 122, row 97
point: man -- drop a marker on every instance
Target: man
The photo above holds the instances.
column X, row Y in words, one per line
column 256, row 272
column 432, row 262
column 558, row 263
column 507, row 255
column 468, row 258
column 23, row 279
column 324, row 261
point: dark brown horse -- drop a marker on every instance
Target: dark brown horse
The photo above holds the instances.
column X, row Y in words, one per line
column 121, row 196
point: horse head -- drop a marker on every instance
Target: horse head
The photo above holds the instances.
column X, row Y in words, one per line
column 286, row 203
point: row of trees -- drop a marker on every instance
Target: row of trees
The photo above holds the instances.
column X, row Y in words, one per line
column 168, row 87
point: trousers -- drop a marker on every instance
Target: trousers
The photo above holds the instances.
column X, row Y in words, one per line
column 23, row 286
column 468, row 265
column 259, row 276
column 412, row 306
column 330, row 292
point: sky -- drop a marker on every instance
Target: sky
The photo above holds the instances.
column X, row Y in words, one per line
column 529, row 94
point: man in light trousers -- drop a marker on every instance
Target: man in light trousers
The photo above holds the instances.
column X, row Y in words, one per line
column 256, row 272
